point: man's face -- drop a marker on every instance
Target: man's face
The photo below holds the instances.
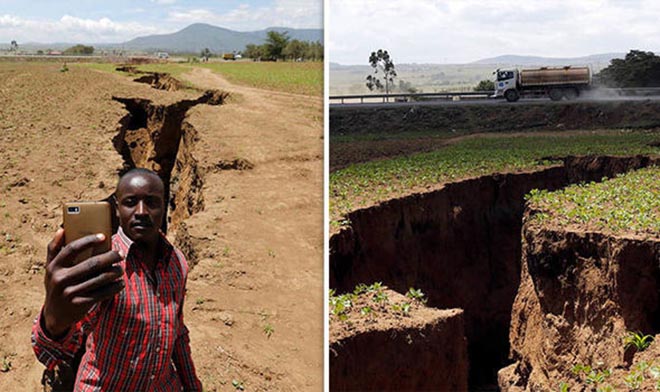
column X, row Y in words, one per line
column 140, row 207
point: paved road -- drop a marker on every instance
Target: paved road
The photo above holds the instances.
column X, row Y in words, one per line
column 467, row 101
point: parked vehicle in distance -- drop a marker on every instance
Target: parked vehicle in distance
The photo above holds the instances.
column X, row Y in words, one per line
column 229, row 56
column 555, row 82
column 163, row 55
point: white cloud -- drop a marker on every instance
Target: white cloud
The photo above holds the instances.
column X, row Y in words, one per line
column 163, row 1
column 70, row 29
column 285, row 13
column 468, row 30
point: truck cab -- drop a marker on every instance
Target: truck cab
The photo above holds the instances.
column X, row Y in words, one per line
column 506, row 80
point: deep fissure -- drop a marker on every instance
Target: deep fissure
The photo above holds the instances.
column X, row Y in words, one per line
column 461, row 245
column 159, row 137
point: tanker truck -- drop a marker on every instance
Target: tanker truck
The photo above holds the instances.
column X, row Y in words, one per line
column 555, row 82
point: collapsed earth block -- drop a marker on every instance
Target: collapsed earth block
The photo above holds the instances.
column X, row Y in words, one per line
column 422, row 350
column 589, row 278
column 580, row 293
column 461, row 246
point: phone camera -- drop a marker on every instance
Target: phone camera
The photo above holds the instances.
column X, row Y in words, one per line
column 73, row 210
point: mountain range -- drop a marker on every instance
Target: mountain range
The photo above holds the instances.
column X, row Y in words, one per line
column 595, row 60
column 198, row 36
column 602, row 58
column 193, row 39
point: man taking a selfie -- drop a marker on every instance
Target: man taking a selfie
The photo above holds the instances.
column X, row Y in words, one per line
column 127, row 302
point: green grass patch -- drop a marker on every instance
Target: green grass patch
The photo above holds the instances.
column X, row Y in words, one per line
column 365, row 184
column 300, row 78
column 629, row 203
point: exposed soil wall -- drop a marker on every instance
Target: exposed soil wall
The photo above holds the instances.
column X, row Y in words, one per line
column 479, row 117
column 461, row 246
column 580, row 293
column 429, row 357
column 159, row 138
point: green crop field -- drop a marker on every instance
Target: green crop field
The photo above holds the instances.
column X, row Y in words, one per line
column 629, row 203
column 366, row 184
column 300, row 78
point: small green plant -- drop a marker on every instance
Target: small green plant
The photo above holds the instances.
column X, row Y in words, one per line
column 637, row 340
column 416, row 295
column 365, row 311
column 269, row 330
column 200, row 301
column 225, row 251
column 238, row 385
column 634, row 380
column 563, row 387
column 340, row 305
column 6, row 365
column 403, row 308
column 593, row 376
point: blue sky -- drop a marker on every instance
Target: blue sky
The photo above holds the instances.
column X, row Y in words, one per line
column 460, row 31
column 87, row 21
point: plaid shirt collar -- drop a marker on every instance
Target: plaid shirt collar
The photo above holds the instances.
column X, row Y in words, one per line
column 164, row 251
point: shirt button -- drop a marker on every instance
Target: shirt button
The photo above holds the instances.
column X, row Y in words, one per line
column 153, row 376
column 157, row 349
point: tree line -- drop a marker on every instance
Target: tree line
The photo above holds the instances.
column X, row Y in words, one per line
column 637, row 69
column 279, row 46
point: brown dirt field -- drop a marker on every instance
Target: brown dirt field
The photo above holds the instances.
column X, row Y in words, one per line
column 258, row 240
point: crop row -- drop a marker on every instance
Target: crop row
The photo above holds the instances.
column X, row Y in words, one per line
column 629, row 203
column 366, row 184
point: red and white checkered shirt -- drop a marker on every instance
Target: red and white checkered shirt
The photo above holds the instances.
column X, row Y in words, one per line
column 137, row 340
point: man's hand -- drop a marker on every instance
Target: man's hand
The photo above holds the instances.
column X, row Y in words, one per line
column 71, row 290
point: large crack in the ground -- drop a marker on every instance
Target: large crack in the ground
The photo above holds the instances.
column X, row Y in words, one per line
column 160, row 81
column 159, row 138
column 461, row 245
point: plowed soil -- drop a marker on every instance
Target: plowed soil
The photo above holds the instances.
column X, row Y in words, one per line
column 258, row 240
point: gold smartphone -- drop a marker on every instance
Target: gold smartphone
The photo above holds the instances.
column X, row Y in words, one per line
column 84, row 218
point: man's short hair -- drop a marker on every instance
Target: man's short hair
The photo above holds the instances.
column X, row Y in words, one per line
column 139, row 170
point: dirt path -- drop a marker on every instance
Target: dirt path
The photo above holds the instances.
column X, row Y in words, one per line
column 260, row 238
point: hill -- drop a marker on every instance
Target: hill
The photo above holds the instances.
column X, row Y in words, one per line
column 602, row 59
column 198, row 36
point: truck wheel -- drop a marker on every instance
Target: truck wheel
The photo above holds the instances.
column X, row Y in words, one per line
column 511, row 95
column 571, row 93
column 556, row 94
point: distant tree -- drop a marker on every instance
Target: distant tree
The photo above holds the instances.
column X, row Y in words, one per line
column 406, row 87
column 79, row 50
column 295, row 50
column 381, row 61
column 255, row 52
column 637, row 69
column 40, row 52
column 314, row 51
column 485, row 85
column 206, row 53
column 275, row 44
column 14, row 46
